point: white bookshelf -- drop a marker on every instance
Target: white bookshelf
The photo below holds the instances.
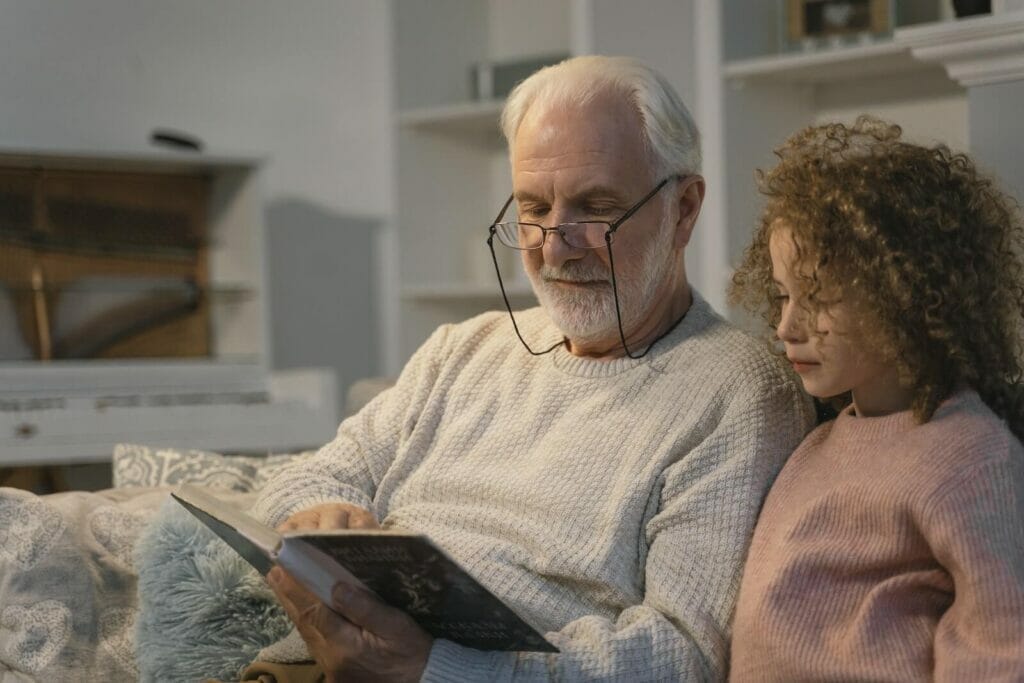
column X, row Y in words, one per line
column 747, row 91
column 476, row 123
column 754, row 92
column 872, row 60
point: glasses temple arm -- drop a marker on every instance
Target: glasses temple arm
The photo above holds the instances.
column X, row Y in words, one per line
column 504, row 295
column 639, row 205
column 504, row 208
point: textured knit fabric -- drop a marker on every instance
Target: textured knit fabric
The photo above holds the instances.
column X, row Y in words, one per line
column 890, row 551
column 609, row 502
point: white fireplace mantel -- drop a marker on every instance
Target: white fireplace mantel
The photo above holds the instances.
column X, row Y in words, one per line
column 977, row 51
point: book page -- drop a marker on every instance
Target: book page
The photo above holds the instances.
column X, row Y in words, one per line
column 312, row 567
column 254, row 541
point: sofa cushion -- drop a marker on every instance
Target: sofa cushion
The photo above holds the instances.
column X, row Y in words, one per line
column 138, row 465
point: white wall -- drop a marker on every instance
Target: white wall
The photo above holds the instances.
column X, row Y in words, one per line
column 997, row 128
column 306, row 84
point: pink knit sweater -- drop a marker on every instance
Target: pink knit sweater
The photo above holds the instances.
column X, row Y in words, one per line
column 890, row 551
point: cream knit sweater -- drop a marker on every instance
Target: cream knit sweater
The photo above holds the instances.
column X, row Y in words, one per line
column 890, row 551
column 610, row 503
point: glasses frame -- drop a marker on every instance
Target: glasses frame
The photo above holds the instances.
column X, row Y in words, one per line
column 613, row 227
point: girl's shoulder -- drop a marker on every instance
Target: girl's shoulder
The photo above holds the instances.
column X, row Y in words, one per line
column 966, row 422
column 963, row 432
column 965, row 439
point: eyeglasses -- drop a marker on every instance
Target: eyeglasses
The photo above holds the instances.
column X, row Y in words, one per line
column 579, row 235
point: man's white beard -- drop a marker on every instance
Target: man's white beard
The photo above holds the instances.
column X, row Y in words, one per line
column 587, row 314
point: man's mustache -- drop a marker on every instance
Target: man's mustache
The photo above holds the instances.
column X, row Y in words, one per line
column 575, row 271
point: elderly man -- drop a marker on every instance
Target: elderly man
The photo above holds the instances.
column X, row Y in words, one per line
column 605, row 479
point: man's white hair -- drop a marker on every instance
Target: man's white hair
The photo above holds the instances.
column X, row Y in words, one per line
column 670, row 135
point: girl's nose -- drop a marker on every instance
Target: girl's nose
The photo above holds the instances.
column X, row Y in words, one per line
column 791, row 327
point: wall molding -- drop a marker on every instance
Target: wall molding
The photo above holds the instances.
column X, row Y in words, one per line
column 977, row 51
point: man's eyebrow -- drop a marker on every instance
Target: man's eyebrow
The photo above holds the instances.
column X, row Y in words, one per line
column 527, row 197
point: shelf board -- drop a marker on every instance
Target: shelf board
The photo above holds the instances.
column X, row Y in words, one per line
column 465, row 292
column 826, row 65
column 476, row 121
column 140, row 158
column 974, row 51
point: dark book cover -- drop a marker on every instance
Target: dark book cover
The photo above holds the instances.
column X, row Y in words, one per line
column 409, row 572
column 405, row 570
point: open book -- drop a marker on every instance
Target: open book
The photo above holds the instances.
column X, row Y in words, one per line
column 405, row 570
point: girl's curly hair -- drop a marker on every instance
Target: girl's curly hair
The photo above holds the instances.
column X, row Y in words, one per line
column 931, row 245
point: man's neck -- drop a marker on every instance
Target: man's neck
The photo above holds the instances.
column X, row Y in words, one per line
column 665, row 312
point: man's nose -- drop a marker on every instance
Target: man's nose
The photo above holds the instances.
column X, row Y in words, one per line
column 556, row 250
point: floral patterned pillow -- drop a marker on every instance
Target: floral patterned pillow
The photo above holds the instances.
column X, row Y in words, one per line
column 136, row 465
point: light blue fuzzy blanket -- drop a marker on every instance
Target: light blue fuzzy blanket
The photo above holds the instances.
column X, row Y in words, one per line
column 203, row 612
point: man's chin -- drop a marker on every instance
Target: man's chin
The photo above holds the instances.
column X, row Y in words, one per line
column 583, row 332
column 577, row 326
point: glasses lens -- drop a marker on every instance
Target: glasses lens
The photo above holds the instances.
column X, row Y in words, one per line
column 519, row 235
column 584, row 235
column 529, row 236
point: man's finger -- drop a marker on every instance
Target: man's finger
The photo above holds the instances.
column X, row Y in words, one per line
column 314, row 620
column 362, row 520
column 317, row 623
column 282, row 582
column 295, row 604
column 365, row 610
column 300, row 520
column 333, row 518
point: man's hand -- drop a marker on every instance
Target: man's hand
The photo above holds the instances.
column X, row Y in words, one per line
column 330, row 516
column 361, row 639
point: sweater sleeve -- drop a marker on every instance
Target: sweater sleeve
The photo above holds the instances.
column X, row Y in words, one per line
column 977, row 534
column 696, row 541
column 348, row 469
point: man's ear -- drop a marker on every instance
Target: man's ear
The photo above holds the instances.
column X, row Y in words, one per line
column 690, row 196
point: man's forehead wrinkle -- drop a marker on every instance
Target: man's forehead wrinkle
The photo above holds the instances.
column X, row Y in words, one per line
column 579, row 154
column 562, row 162
column 529, row 184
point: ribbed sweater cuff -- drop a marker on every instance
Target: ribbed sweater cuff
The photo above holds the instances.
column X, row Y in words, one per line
column 451, row 662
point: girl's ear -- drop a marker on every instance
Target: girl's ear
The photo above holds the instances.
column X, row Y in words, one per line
column 689, row 198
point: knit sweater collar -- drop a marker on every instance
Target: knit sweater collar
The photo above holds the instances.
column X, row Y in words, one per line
column 849, row 426
column 699, row 316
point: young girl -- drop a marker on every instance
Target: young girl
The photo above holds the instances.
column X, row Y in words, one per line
column 891, row 546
